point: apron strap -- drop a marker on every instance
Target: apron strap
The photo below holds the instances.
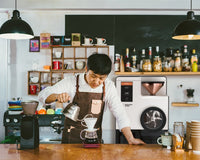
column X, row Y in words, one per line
column 77, row 85
column 103, row 98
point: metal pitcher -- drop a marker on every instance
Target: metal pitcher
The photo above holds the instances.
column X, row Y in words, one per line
column 71, row 111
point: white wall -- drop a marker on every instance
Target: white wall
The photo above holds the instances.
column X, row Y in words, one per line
column 3, row 78
column 20, row 59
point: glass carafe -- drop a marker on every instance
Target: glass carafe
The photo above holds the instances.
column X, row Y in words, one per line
column 179, row 128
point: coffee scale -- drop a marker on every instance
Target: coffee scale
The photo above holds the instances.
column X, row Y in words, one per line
column 146, row 102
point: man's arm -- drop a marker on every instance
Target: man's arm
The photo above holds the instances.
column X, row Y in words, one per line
column 129, row 136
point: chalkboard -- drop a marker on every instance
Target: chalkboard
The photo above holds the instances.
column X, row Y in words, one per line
column 128, row 31
column 91, row 26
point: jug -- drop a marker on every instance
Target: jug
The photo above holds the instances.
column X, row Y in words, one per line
column 71, row 111
column 90, row 136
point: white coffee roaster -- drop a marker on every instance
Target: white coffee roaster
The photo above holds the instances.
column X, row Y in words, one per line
column 147, row 105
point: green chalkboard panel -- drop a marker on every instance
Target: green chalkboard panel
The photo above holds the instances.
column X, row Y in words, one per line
column 128, row 31
column 142, row 31
column 91, row 26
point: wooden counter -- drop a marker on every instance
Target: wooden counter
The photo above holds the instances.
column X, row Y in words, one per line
column 105, row 152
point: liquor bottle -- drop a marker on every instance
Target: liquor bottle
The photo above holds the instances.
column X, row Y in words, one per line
column 185, row 60
column 194, row 57
column 117, row 62
column 142, row 59
column 168, row 62
column 157, row 52
column 134, row 59
column 150, row 54
column 127, row 61
column 121, row 64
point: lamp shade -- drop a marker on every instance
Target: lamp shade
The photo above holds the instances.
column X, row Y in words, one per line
column 16, row 28
column 188, row 29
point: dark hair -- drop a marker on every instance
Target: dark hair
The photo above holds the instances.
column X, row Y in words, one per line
column 99, row 63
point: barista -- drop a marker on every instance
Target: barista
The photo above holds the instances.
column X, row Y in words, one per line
column 91, row 91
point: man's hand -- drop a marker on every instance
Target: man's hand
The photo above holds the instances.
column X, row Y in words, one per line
column 62, row 98
column 129, row 136
column 136, row 141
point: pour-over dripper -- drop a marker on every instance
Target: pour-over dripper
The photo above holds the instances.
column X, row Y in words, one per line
column 90, row 123
column 153, row 87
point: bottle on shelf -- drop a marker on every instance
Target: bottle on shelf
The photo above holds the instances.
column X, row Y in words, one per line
column 194, row 67
column 127, row 61
column 194, row 57
column 157, row 54
column 134, row 60
column 157, row 63
column 150, row 54
column 177, row 61
column 168, row 63
column 142, row 59
column 185, row 60
column 122, row 64
column 117, row 62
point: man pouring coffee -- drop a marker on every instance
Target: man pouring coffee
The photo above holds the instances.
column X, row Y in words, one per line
column 90, row 91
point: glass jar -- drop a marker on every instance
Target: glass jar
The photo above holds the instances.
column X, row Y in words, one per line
column 177, row 62
column 179, row 128
column 168, row 64
column 157, row 64
column 146, row 66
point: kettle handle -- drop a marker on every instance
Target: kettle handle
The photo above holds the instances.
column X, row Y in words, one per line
column 81, row 134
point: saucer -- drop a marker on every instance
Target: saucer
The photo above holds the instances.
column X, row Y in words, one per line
column 101, row 44
column 91, row 130
column 87, row 44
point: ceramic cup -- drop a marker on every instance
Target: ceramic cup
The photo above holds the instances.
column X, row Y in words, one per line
column 80, row 64
column 101, row 41
column 58, row 54
column 88, row 41
column 165, row 140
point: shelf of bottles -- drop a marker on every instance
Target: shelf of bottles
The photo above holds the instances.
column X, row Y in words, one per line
column 150, row 62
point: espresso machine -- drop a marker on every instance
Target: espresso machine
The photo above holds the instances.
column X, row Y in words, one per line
column 146, row 102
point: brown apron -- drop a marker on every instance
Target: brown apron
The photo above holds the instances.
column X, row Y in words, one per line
column 89, row 103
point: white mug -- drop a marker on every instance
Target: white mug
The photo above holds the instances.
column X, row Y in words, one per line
column 101, row 41
column 58, row 54
column 88, row 41
column 165, row 140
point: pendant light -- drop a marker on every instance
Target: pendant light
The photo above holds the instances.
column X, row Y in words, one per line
column 188, row 29
column 16, row 28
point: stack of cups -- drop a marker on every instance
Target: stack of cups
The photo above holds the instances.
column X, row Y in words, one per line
column 188, row 144
column 195, row 135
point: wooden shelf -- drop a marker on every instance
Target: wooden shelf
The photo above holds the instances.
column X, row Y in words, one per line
column 94, row 46
column 184, row 104
column 157, row 73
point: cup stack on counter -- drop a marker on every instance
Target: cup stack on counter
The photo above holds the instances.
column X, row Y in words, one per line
column 195, row 135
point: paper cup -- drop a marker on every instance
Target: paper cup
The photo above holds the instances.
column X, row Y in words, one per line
column 195, row 143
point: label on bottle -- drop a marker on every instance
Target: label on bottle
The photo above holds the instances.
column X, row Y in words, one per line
column 128, row 64
column 193, row 59
column 117, row 66
column 177, row 62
